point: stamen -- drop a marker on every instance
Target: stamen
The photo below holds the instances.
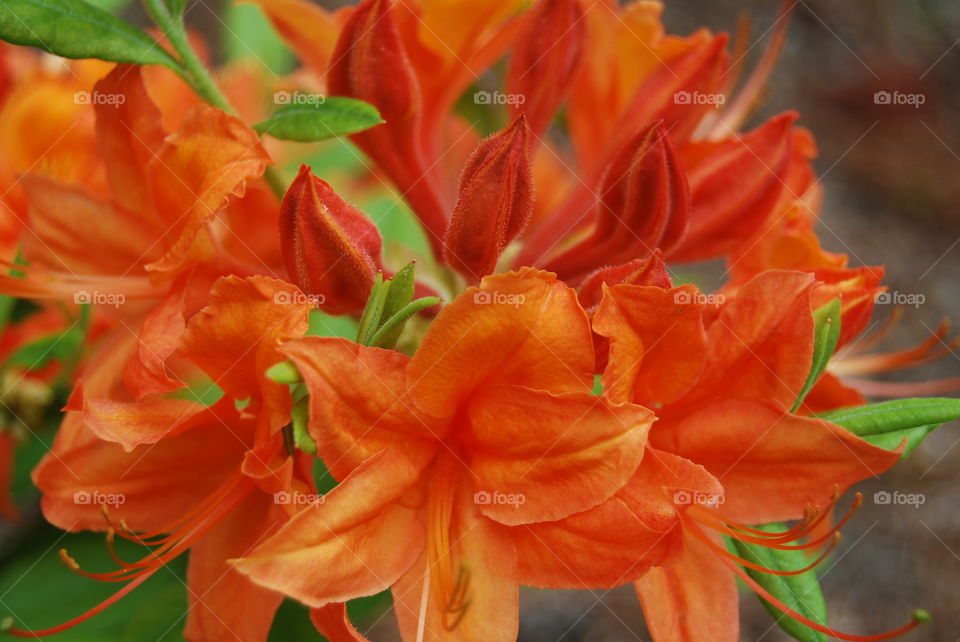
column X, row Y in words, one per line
column 450, row 591
column 918, row 616
column 231, row 493
column 931, row 349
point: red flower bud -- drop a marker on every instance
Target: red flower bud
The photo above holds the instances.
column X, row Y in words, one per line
column 650, row 271
column 331, row 249
column 495, row 202
column 370, row 63
column 545, row 60
column 644, row 206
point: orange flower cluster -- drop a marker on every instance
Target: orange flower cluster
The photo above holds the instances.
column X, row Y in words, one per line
column 567, row 418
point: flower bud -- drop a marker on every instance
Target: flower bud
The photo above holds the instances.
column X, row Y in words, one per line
column 643, row 207
column 545, row 60
column 495, row 202
column 331, row 249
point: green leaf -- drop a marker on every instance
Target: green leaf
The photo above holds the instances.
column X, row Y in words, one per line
column 826, row 333
column 310, row 117
column 399, row 295
column 386, row 337
column 37, row 354
column 888, row 423
column 373, row 311
column 77, row 29
column 300, row 417
column 799, row 592
column 176, row 7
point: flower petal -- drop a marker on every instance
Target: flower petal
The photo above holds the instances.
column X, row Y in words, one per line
column 356, row 543
column 562, row 454
column 525, row 328
column 359, row 404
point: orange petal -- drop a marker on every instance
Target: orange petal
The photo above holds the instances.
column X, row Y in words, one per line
column 159, row 336
column 310, row 30
column 194, row 173
column 692, row 598
column 771, row 463
column 735, row 186
column 524, row 327
column 224, row 605
column 128, row 136
column 485, row 551
column 657, row 342
column 76, row 232
column 159, row 482
column 359, row 404
column 235, row 339
column 356, row 543
column 761, row 345
column 830, row 393
column 8, row 448
column 144, row 422
column 561, row 454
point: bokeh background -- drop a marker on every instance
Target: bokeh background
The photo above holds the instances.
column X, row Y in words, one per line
column 892, row 178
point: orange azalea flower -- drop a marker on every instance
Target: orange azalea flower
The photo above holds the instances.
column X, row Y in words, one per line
column 723, row 382
column 481, row 463
column 148, row 246
column 191, row 477
column 660, row 94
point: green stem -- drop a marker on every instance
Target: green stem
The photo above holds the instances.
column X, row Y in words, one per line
column 197, row 75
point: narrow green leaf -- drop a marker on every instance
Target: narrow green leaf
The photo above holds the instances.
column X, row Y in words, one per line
column 77, row 29
column 826, row 321
column 799, row 592
column 888, row 423
column 386, row 336
column 399, row 295
column 308, row 117
column 37, row 354
column 372, row 312
column 176, row 7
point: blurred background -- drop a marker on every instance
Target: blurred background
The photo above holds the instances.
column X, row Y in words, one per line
column 892, row 179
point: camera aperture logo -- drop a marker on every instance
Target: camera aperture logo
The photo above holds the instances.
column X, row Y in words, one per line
column 899, row 98
column 98, row 98
column 698, row 98
column 496, row 498
column 899, row 298
column 897, row 498
column 685, row 298
column 297, row 297
column 498, row 98
column 83, row 297
column 688, row 498
column 485, row 297
column 298, row 98
column 286, row 498
column 96, row 498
